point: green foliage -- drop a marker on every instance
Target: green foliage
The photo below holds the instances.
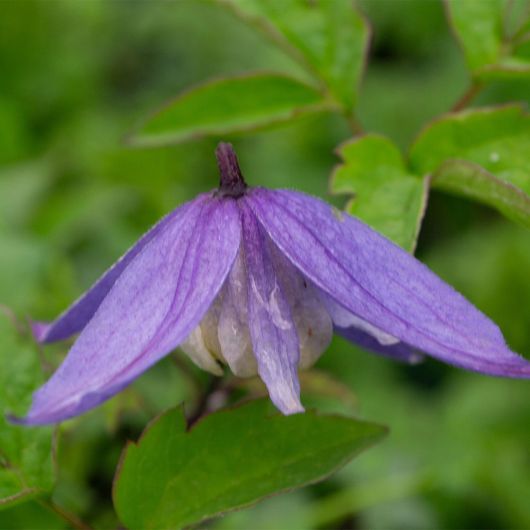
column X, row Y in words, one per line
column 29, row 515
column 328, row 38
column 26, row 467
column 230, row 105
column 386, row 194
column 494, row 36
column 458, row 454
column 230, row 459
column 481, row 154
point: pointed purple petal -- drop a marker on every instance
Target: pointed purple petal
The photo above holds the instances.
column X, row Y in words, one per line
column 382, row 284
column 272, row 330
column 153, row 306
column 77, row 316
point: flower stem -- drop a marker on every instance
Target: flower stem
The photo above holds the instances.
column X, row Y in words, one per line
column 202, row 408
column 70, row 518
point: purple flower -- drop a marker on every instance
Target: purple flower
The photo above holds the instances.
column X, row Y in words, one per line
column 259, row 279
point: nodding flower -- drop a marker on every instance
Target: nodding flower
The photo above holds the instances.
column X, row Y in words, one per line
column 259, row 280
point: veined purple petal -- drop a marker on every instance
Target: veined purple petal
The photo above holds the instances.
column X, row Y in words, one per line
column 152, row 307
column 76, row 317
column 382, row 284
column 272, row 329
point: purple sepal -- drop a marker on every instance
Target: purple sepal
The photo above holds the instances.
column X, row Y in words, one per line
column 160, row 297
column 40, row 330
column 272, row 330
column 382, row 284
column 75, row 317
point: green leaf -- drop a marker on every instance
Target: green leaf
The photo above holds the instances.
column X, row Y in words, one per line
column 26, row 465
column 473, row 181
column 21, row 188
column 23, row 261
column 481, row 154
column 492, row 34
column 230, row 459
column 328, row 38
column 387, row 195
column 229, row 105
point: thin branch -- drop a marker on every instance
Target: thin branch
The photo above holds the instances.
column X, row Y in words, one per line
column 214, row 385
column 468, row 96
column 16, row 323
column 70, row 518
column 355, row 127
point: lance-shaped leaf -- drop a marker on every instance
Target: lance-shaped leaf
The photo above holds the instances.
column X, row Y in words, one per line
column 228, row 105
column 26, row 466
column 481, row 154
column 328, row 38
column 386, row 195
column 494, row 36
column 231, row 459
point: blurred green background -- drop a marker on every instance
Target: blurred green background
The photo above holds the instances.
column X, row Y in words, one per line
column 75, row 77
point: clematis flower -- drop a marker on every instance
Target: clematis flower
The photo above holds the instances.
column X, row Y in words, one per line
column 258, row 280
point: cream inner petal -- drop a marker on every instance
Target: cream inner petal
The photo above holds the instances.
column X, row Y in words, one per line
column 232, row 330
column 195, row 348
column 312, row 320
column 223, row 334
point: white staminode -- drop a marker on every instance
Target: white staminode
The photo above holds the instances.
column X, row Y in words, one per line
column 342, row 318
column 223, row 334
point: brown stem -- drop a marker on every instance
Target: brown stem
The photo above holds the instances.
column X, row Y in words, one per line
column 70, row 518
column 468, row 96
column 355, row 126
column 202, row 407
column 17, row 324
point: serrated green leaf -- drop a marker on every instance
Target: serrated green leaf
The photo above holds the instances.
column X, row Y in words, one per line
column 481, row 154
column 329, row 38
column 26, row 466
column 230, row 459
column 386, row 195
column 228, row 105
column 491, row 32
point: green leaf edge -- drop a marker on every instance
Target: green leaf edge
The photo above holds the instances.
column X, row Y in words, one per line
column 137, row 139
column 27, row 493
column 491, row 71
column 277, row 38
column 371, row 441
column 435, row 176
column 425, row 178
column 517, row 209
column 517, row 107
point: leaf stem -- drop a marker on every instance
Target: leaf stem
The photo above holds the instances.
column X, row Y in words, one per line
column 70, row 518
column 203, row 406
column 468, row 96
column 355, row 127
